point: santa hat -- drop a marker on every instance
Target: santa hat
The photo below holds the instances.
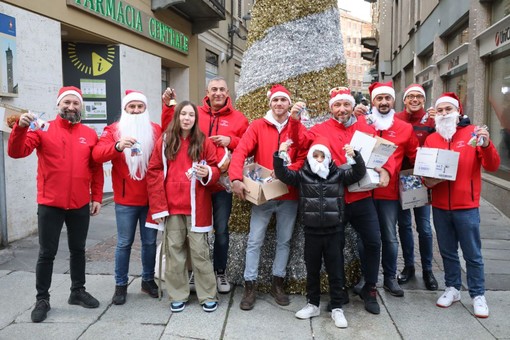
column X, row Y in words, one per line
column 132, row 95
column 320, row 144
column 416, row 88
column 449, row 97
column 380, row 88
column 340, row 93
column 66, row 90
column 278, row 91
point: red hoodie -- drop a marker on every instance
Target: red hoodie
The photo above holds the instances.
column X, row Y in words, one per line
column 126, row 190
column 464, row 192
column 67, row 175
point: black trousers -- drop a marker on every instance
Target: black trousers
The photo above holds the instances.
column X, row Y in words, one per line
column 50, row 222
column 331, row 248
column 363, row 217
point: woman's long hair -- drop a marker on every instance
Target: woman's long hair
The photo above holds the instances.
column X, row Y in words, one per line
column 173, row 135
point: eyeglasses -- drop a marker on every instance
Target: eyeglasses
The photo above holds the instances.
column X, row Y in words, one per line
column 415, row 96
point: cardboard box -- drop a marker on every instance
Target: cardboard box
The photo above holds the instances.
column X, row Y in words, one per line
column 374, row 150
column 413, row 197
column 368, row 182
column 259, row 193
column 436, row 163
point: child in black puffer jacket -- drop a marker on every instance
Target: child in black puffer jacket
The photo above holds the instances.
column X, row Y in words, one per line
column 321, row 210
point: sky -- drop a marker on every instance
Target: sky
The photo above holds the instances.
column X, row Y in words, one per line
column 358, row 8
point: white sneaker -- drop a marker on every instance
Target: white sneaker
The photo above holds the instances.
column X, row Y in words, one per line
column 308, row 311
column 480, row 307
column 191, row 283
column 222, row 283
column 337, row 315
column 450, row 295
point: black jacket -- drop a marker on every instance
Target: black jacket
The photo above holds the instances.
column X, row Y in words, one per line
column 321, row 201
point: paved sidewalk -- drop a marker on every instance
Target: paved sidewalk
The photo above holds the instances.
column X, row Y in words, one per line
column 414, row 316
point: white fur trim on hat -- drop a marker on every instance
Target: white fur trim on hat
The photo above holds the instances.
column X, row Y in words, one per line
column 319, row 147
column 342, row 96
column 447, row 99
column 383, row 90
column 414, row 88
column 68, row 92
column 132, row 96
column 278, row 94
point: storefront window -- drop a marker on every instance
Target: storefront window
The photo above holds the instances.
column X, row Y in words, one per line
column 211, row 65
column 428, row 96
column 500, row 9
column 458, row 84
column 499, row 114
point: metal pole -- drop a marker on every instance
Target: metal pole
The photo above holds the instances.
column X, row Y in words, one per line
column 3, row 196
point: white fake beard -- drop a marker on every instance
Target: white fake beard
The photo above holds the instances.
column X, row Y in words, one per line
column 320, row 169
column 382, row 121
column 139, row 127
column 446, row 125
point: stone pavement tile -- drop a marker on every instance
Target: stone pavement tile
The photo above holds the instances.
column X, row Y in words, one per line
column 17, row 294
column 495, row 244
column 118, row 330
column 4, row 272
column 497, row 281
column 266, row 320
column 497, row 266
column 417, row 317
column 499, row 306
column 194, row 323
column 139, row 308
column 44, row 331
column 496, row 254
column 361, row 324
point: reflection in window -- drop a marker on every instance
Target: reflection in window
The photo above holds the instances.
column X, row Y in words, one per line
column 499, row 113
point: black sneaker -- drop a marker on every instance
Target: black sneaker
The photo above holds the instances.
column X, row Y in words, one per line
column 82, row 298
column 119, row 297
column 369, row 296
column 40, row 310
column 150, row 287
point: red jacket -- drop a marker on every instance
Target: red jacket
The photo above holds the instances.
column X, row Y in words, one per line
column 172, row 193
column 402, row 134
column 166, row 116
column 421, row 130
column 261, row 140
column 67, row 175
column 338, row 135
column 464, row 192
column 126, row 190
column 226, row 122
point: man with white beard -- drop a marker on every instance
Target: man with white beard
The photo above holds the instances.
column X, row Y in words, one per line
column 128, row 143
column 386, row 198
column 455, row 204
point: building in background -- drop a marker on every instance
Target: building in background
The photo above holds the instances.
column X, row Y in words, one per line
column 106, row 47
column 353, row 31
column 459, row 46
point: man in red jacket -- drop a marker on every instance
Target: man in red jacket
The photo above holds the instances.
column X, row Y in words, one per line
column 455, row 204
column 128, row 144
column 262, row 139
column 224, row 126
column 423, row 125
column 69, row 189
column 386, row 199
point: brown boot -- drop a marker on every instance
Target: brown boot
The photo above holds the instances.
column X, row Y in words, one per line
column 249, row 295
column 278, row 292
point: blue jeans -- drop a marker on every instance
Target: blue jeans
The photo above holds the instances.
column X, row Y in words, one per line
column 127, row 218
column 286, row 212
column 405, row 231
column 454, row 227
column 222, row 206
column 387, row 211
